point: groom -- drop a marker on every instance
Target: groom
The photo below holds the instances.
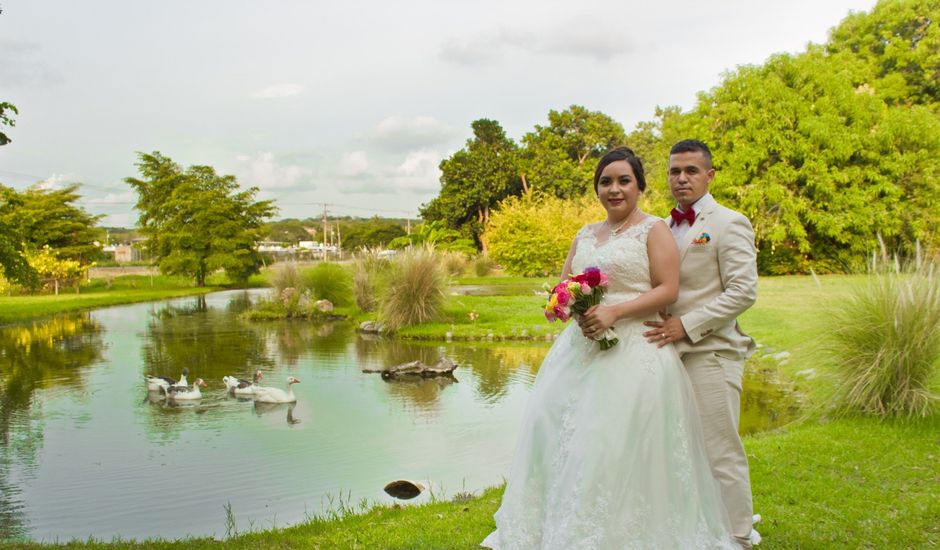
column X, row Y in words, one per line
column 718, row 282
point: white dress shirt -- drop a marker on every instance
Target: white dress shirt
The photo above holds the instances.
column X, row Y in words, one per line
column 679, row 231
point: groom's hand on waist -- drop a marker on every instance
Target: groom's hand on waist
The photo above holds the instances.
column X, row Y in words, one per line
column 664, row 332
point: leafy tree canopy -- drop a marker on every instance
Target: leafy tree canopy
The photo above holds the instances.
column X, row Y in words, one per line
column 475, row 179
column 48, row 217
column 197, row 221
column 559, row 159
column 6, row 119
column 13, row 263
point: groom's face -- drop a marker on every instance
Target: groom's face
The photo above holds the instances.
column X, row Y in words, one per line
column 689, row 176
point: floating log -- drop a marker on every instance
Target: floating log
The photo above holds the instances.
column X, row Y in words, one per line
column 444, row 367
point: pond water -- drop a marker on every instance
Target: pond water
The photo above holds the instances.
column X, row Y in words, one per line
column 87, row 452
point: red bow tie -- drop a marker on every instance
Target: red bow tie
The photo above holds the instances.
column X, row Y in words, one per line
column 677, row 216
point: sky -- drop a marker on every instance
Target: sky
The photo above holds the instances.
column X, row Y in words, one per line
column 349, row 104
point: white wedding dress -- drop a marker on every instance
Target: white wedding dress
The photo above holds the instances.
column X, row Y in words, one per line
column 610, row 453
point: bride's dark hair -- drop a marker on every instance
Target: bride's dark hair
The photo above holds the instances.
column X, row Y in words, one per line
column 622, row 153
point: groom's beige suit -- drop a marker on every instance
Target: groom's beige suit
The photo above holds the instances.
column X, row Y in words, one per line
column 718, row 282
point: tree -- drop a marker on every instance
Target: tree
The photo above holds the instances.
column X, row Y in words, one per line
column 435, row 233
column 196, row 221
column 894, row 50
column 531, row 235
column 6, row 119
column 52, row 268
column 475, row 179
column 559, row 159
column 376, row 232
column 47, row 217
column 13, row 263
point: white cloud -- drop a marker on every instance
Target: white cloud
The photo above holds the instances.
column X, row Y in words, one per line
column 56, row 181
column 278, row 90
column 264, row 171
column 128, row 197
column 400, row 134
column 418, row 173
column 21, row 64
column 577, row 37
column 354, row 164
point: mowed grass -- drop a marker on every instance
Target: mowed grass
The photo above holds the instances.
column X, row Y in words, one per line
column 827, row 482
column 124, row 289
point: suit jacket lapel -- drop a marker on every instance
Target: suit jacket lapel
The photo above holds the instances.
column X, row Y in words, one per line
column 700, row 221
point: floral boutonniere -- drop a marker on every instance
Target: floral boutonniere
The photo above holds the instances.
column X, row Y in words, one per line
column 702, row 239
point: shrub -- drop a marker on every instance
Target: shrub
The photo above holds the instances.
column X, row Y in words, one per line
column 368, row 270
column 531, row 235
column 415, row 288
column 285, row 276
column 483, row 265
column 887, row 342
column 329, row 281
column 454, row 262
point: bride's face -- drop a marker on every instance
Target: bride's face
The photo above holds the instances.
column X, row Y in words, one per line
column 617, row 190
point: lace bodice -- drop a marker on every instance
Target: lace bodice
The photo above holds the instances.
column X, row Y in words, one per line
column 622, row 257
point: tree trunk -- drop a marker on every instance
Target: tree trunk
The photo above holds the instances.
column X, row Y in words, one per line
column 56, row 283
column 525, row 184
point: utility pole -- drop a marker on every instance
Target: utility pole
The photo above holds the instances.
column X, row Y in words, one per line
column 323, row 244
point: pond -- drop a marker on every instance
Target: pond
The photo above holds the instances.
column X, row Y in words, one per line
column 86, row 451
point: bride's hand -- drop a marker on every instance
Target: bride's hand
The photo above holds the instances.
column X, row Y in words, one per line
column 596, row 320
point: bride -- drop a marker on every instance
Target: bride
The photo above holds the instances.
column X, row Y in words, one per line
column 610, row 453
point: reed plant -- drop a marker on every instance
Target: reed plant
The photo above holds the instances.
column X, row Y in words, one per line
column 285, row 276
column 369, row 269
column 886, row 344
column 482, row 265
column 415, row 288
column 329, row 281
column 454, row 263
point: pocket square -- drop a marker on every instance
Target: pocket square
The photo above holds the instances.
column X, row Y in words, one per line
column 704, row 238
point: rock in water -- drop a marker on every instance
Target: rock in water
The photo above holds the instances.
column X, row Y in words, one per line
column 404, row 489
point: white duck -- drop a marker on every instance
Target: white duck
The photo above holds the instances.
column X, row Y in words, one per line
column 186, row 393
column 265, row 394
column 240, row 386
column 162, row 383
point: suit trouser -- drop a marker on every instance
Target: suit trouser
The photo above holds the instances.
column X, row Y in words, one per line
column 717, row 384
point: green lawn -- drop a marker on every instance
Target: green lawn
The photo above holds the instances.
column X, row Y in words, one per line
column 99, row 293
column 826, row 482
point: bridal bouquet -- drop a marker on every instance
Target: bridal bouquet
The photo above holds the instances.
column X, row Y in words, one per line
column 577, row 294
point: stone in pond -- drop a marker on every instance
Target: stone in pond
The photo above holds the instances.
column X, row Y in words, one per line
column 404, row 489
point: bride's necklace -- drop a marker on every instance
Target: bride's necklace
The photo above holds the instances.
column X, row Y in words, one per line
column 619, row 228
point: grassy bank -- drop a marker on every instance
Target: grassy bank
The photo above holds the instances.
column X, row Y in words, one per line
column 823, row 483
column 99, row 293
column 851, row 483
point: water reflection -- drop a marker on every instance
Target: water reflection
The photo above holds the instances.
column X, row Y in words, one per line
column 277, row 409
column 36, row 356
column 96, row 434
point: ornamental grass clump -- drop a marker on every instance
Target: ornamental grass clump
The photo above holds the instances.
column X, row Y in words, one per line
column 887, row 342
column 329, row 281
column 415, row 288
column 369, row 269
column 285, row 276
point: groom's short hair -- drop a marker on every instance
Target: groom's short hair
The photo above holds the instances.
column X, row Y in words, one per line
column 692, row 146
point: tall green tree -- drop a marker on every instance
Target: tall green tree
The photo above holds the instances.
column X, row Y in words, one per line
column 197, row 221
column 475, row 179
column 559, row 159
column 6, row 119
column 893, row 50
column 13, row 263
column 49, row 217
